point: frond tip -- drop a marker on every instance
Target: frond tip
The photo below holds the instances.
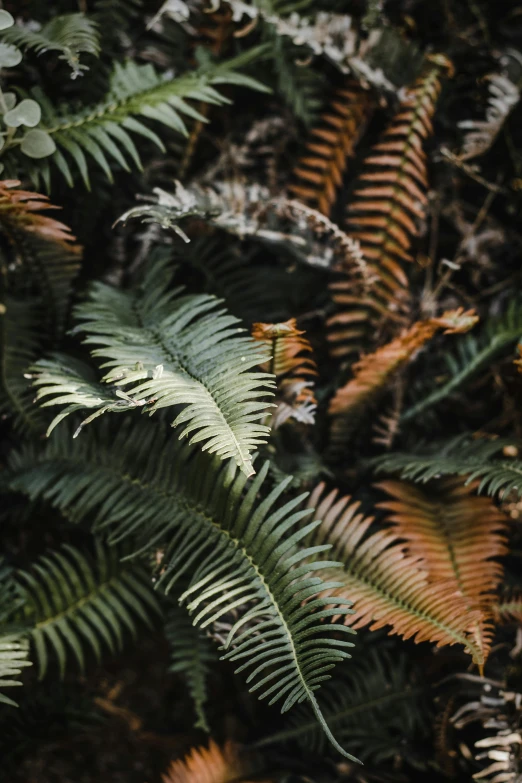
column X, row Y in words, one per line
column 213, row 765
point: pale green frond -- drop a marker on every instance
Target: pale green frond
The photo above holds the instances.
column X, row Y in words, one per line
column 165, row 349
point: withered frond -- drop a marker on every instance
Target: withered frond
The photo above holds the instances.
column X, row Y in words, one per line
column 294, row 369
column 319, row 172
column 374, row 371
column 388, row 585
column 457, row 535
column 211, row 765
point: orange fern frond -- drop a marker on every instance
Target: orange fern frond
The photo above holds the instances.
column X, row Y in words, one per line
column 388, row 585
column 374, row 371
column 294, row 370
column 456, row 534
column 319, row 172
column 211, row 765
column 384, row 213
column 21, row 210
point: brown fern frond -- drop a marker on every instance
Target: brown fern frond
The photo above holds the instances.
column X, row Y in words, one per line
column 211, row 765
column 319, row 171
column 384, row 213
column 21, row 210
column 374, row 371
column 388, row 585
column 457, row 535
column 293, row 368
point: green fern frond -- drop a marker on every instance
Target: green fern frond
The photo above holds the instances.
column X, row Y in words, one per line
column 237, row 551
column 105, row 133
column 71, row 35
column 13, row 647
column 167, row 349
column 20, row 343
column 374, row 706
column 460, row 456
column 73, row 601
column 473, row 353
column 191, row 654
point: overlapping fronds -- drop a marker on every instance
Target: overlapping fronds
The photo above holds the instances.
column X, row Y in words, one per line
column 460, row 456
column 166, row 349
column 70, row 35
column 389, row 585
column 228, row 764
column 235, row 550
column 191, row 654
column 384, row 213
column 458, row 537
column 73, row 602
column 104, row 134
column 470, row 355
column 481, row 134
column 374, row 707
column 319, row 172
column 374, row 371
column 293, row 368
column 44, row 245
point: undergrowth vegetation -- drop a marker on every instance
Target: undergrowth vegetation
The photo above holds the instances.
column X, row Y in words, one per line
column 260, row 391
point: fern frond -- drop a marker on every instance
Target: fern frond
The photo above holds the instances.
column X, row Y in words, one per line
column 471, row 354
column 13, row 646
column 44, row 245
column 389, row 586
column 73, row 602
column 292, row 368
column 71, row 35
column 191, row 654
column 373, row 373
column 212, row 765
column 383, row 213
column 508, row 609
column 235, row 550
column 390, row 193
column 373, row 707
column 481, row 134
column 460, row 456
column 456, row 534
column 105, row 133
column 165, row 349
column 319, row 172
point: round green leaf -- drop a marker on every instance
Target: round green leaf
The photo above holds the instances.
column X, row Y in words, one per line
column 9, row 55
column 26, row 113
column 10, row 100
column 6, row 20
column 37, row 144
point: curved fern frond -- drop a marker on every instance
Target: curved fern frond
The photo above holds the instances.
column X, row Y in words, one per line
column 105, row 133
column 73, row 602
column 71, row 35
column 165, row 349
column 292, row 368
column 471, row 355
column 460, row 456
column 388, row 585
column 191, row 654
column 457, row 535
column 319, row 171
column 372, row 707
column 213, row 765
column 235, row 550
column 374, row 371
